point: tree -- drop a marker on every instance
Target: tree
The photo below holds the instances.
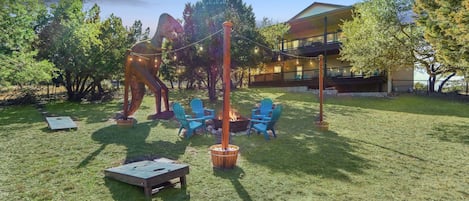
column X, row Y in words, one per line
column 206, row 18
column 86, row 50
column 135, row 33
column 446, row 25
column 68, row 41
column 272, row 35
column 108, row 57
column 273, row 32
column 377, row 39
column 18, row 62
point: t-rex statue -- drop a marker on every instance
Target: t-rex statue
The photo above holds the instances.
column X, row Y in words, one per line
column 141, row 67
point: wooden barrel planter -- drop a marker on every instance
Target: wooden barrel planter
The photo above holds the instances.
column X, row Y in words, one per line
column 126, row 123
column 224, row 159
column 322, row 125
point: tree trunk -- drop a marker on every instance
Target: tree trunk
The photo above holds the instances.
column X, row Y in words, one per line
column 440, row 88
column 212, row 82
column 431, row 83
column 389, row 81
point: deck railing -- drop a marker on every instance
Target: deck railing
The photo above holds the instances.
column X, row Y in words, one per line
column 313, row 41
column 342, row 71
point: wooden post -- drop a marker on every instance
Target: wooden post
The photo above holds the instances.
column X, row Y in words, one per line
column 321, row 124
column 321, row 87
column 226, row 78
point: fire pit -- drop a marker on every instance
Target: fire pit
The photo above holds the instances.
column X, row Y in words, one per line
column 237, row 122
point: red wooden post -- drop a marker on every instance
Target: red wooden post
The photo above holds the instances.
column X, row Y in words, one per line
column 321, row 87
column 226, row 78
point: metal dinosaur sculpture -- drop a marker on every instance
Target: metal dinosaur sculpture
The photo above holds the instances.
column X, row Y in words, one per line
column 141, row 67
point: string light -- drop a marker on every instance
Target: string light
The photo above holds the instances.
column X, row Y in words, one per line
column 139, row 59
column 201, row 48
column 297, row 62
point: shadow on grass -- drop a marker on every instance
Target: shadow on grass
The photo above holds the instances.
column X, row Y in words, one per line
column 137, row 148
column 124, row 192
column 134, row 140
column 456, row 133
column 300, row 148
column 19, row 115
column 317, row 153
column 86, row 112
column 234, row 176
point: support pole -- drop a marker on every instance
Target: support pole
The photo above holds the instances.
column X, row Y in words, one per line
column 320, row 123
column 321, row 87
column 226, row 78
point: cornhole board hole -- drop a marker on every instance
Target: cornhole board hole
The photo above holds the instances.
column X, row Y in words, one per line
column 58, row 123
column 148, row 174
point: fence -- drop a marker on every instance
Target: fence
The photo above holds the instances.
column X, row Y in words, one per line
column 421, row 86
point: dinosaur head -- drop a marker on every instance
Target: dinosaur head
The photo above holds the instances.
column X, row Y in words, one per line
column 170, row 27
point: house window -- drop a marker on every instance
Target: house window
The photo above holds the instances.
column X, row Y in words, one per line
column 277, row 69
column 299, row 73
column 295, row 44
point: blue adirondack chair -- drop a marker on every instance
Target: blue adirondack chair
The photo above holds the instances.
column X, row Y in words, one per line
column 200, row 112
column 263, row 125
column 264, row 110
column 190, row 124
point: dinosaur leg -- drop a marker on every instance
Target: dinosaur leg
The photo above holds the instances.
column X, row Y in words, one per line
column 127, row 85
column 138, row 91
column 155, row 86
column 164, row 94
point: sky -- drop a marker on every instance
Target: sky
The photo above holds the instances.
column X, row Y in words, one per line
column 148, row 11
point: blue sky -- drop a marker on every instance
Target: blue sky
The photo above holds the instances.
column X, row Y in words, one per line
column 148, row 11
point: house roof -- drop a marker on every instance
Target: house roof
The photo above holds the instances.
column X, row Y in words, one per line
column 317, row 8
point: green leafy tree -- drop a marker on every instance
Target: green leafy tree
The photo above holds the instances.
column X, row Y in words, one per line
column 18, row 62
column 377, row 39
column 205, row 18
column 446, row 24
column 272, row 34
column 108, row 57
column 68, row 41
column 85, row 49
column 135, row 33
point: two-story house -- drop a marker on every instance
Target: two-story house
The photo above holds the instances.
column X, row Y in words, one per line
column 315, row 31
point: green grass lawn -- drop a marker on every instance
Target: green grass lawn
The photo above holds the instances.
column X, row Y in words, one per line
column 400, row 148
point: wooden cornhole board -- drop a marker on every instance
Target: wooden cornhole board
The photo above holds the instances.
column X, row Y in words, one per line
column 148, row 174
column 57, row 123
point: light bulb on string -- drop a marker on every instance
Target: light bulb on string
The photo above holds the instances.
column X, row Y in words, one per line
column 278, row 58
column 297, row 61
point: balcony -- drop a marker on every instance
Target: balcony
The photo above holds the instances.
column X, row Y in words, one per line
column 340, row 78
column 314, row 45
